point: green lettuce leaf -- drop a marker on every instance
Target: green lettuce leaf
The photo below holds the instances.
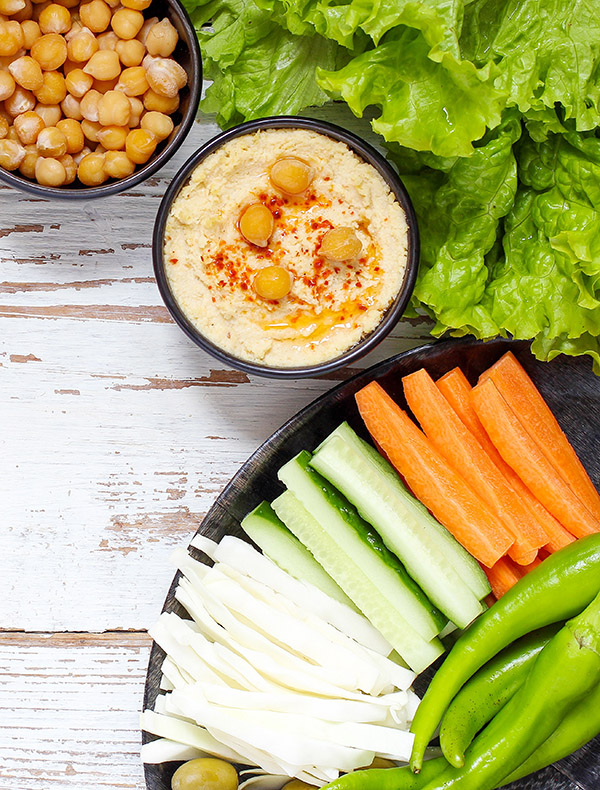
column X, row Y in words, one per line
column 257, row 67
column 546, row 52
column 429, row 106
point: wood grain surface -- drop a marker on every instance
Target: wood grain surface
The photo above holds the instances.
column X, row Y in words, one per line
column 116, row 435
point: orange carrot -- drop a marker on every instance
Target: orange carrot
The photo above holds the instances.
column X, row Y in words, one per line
column 455, row 386
column 502, row 576
column 524, row 569
column 521, row 394
column 466, row 456
column 430, row 477
column 522, row 453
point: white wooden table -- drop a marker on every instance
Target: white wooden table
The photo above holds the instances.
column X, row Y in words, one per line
column 116, row 435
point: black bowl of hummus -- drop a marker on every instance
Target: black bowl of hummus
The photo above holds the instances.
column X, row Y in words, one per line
column 286, row 247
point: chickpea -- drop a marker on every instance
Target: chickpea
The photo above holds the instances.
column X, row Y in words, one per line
column 127, row 23
column 50, row 51
column 68, row 163
column 55, row 19
column 114, row 109
column 89, row 105
column 273, row 283
column 12, row 134
column 95, row 15
column 131, row 53
column 12, row 154
column 82, row 46
column 164, row 75
column 20, row 101
column 25, row 13
column 256, row 224
column 143, row 34
column 68, row 3
column 340, row 244
column 105, row 85
column 113, row 138
column 27, row 166
column 133, row 81
column 28, row 125
column 50, row 172
column 91, row 170
column 11, row 37
column 54, row 90
column 10, row 7
column 51, row 142
column 103, row 65
column 4, row 127
column 162, row 39
column 31, row 32
column 113, row 4
column 69, row 66
column 27, row 73
column 155, row 102
column 140, row 145
column 159, row 124
column 137, row 108
column 71, row 107
column 207, row 773
column 117, row 164
column 79, row 156
column 73, row 134
column 78, row 83
column 108, row 40
column 49, row 113
column 90, row 130
column 7, row 85
column 100, row 149
column 137, row 5
column 291, row 175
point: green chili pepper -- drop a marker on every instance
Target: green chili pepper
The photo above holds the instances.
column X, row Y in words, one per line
column 389, row 778
column 487, row 692
column 578, row 727
column 565, row 671
column 560, row 587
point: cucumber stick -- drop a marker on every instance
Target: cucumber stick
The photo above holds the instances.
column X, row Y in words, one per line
column 343, row 544
column 401, row 526
column 466, row 567
column 285, row 550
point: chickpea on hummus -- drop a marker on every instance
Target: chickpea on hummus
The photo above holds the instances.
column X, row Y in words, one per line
column 285, row 248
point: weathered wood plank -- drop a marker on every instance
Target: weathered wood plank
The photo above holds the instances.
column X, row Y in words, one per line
column 69, row 707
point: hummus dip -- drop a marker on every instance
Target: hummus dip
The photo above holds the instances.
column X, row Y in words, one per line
column 212, row 268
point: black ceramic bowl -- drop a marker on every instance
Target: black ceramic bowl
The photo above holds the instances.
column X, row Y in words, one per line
column 365, row 152
column 187, row 53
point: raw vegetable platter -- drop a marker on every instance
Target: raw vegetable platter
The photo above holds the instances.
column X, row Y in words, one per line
column 571, row 391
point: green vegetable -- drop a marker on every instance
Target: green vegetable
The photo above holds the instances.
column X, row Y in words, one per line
column 403, row 524
column 487, row 692
column 560, row 587
column 278, row 543
column 565, row 672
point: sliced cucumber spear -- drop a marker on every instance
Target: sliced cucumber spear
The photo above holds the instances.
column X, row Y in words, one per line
column 353, row 555
column 405, row 527
column 276, row 541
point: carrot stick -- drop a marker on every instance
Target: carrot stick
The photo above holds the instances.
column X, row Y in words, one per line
column 525, row 400
column 430, row 477
column 502, row 576
column 455, row 386
column 522, row 453
column 466, row 456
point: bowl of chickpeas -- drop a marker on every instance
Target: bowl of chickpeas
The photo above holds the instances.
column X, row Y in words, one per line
column 95, row 96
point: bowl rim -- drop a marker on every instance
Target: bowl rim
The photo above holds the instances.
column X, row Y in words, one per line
column 113, row 188
column 366, row 152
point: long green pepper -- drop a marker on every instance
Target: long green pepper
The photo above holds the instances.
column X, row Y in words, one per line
column 559, row 588
column 565, row 672
column 487, row 692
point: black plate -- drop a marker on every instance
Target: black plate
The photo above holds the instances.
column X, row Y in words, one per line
column 570, row 389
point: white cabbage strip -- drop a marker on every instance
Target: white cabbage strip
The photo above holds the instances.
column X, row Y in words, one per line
column 270, row 672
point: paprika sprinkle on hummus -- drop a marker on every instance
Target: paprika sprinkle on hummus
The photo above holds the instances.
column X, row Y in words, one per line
column 285, row 248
